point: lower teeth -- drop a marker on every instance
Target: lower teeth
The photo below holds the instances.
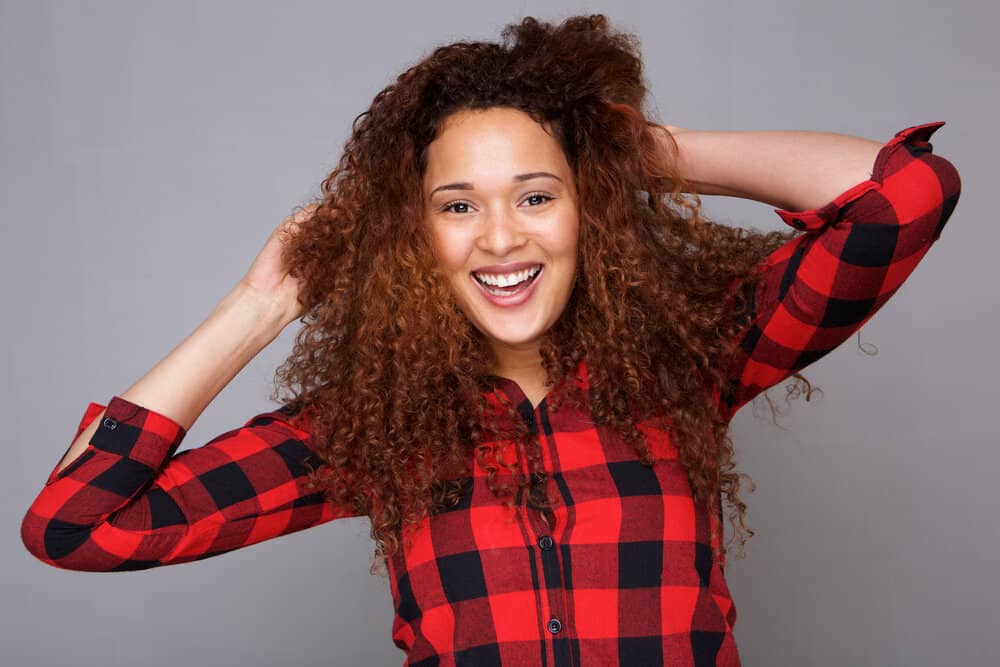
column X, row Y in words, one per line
column 503, row 292
column 497, row 291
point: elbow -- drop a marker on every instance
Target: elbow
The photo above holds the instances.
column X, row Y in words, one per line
column 101, row 547
column 57, row 543
column 33, row 537
column 951, row 189
column 923, row 193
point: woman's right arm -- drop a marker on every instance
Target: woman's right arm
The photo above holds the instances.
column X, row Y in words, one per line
column 252, row 315
column 120, row 500
column 128, row 503
column 184, row 382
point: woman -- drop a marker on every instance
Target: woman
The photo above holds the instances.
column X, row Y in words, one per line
column 522, row 346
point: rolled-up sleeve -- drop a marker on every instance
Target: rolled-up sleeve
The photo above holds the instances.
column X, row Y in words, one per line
column 128, row 502
column 820, row 287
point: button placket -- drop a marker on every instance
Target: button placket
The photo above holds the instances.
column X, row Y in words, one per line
column 545, row 527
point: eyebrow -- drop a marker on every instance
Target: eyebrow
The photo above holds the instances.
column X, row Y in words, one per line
column 517, row 178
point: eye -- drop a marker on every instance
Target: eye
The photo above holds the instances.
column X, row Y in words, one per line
column 448, row 208
column 539, row 195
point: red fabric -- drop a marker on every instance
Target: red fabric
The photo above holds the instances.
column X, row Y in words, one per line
column 621, row 570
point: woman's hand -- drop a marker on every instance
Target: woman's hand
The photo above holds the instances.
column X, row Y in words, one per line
column 268, row 278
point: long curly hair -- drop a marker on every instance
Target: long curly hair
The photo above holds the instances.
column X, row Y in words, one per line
column 396, row 380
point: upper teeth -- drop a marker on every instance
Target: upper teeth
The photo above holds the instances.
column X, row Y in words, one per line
column 507, row 279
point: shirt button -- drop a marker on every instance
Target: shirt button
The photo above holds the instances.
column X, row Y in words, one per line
column 545, row 543
column 110, row 424
column 554, row 625
column 799, row 224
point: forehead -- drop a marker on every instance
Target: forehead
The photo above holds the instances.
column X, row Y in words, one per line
column 491, row 143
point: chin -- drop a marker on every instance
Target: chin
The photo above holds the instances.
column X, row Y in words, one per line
column 509, row 329
column 513, row 341
column 510, row 336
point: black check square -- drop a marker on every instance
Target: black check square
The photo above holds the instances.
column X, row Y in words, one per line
column 462, row 576
column 228, row 485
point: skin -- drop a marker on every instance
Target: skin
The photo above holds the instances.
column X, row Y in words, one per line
column 493, row 218
column 795, row 170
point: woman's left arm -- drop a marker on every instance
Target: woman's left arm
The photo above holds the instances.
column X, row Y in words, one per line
column 789, row 169
column 870, row 212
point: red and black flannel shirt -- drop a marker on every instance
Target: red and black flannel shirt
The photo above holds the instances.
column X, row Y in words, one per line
column 620, row 571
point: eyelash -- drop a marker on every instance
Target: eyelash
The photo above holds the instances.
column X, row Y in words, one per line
column 447, row 207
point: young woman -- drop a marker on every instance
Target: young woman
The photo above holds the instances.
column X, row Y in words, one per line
column 522, row 346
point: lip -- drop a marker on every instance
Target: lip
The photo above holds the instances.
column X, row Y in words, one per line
column 513, row 299
column 506, row 268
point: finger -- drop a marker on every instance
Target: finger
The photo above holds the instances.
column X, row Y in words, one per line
column 303, row 214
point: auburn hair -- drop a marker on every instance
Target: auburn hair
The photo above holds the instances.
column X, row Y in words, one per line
column 395, row 378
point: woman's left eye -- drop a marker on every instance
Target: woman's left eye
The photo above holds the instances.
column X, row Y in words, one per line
column 537, row 195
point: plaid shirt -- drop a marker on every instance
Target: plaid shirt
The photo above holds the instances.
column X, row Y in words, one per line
column 618, row 571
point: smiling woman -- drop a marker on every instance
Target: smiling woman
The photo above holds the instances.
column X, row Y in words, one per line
column 510, row 252
column 522, row 346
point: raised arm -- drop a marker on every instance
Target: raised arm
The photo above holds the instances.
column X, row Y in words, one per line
column 790, row 169
column 117, row 500
column 129, row 503
column 252, row 315
column 870, row 213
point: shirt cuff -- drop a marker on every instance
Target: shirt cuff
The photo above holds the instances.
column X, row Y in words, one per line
column 129, row 431
column 817, row 218
column 89, row 415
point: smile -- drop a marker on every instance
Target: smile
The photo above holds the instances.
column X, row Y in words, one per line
column 507, row 280
column 510, row 289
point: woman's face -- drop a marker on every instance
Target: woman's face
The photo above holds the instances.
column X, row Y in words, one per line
column 501, row 206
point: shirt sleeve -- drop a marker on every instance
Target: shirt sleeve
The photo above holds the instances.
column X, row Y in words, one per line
column 128, row 503
column 819, row 288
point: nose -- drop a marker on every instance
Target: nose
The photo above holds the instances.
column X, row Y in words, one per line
column 501, row 232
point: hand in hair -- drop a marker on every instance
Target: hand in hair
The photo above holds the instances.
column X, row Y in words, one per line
column 268, row 277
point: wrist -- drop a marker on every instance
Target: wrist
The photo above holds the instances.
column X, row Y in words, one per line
column 699, row 161
column 260, row 316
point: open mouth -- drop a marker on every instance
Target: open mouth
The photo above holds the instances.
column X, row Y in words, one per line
column 508, row 284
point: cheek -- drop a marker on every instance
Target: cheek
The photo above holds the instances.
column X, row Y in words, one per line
column 566, row 237
column 451, row 250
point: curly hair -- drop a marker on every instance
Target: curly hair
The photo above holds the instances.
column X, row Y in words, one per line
column 396, row 380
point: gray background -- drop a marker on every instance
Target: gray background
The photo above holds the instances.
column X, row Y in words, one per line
column 148, row 149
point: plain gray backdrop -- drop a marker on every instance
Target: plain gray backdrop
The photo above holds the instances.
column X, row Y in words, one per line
column 147, row 150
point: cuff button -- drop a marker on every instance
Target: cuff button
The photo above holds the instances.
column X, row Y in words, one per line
column 110, row 423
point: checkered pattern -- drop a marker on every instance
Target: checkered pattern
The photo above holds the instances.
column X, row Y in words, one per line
column 823, row 286
column 618, row 571
column 126, row 503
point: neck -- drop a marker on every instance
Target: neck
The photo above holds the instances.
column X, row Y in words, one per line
column 523, row 364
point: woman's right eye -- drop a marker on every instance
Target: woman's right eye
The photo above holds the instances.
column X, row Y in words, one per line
column 448, row 208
